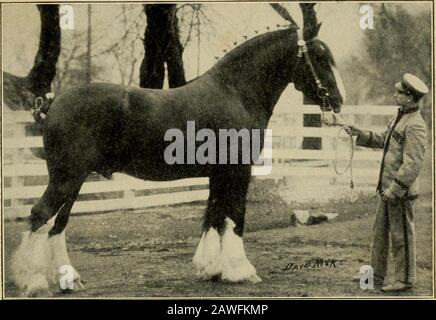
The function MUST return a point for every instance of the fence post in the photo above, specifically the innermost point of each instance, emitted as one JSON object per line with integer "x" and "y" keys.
{"x": 128, "y": 191}
{"x": 313, "y": 143}
{"x": 15, "y": 183}
{"x": 18, "y": 131}
{"x": 311, "y": 120}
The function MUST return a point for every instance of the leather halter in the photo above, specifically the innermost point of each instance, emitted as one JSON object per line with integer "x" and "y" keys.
{"x": 303, "y": 51}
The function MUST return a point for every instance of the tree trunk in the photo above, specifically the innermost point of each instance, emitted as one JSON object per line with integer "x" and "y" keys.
{"x": 161, "y": 45}
{"x": 44, "y": 67}
{"x": 20, "y": 92}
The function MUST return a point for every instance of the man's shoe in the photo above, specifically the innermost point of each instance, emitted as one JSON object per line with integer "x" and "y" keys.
{"x": 378, "y": 281}
{"x": 397, "y": 286}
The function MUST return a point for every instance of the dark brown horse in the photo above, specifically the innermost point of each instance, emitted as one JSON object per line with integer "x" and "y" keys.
{"x": 109, "y": 128}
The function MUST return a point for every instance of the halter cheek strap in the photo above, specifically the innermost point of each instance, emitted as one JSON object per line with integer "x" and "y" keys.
{"x": 303, "y": 51}
{"x": 324, "y": 95}
{"x": 301, "y": 44}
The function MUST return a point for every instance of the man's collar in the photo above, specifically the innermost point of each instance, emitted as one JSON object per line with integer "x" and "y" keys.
{"x": 411, "y": 110}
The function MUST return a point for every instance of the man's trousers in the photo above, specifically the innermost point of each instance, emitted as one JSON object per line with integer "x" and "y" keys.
{"x": 394, "y": 219}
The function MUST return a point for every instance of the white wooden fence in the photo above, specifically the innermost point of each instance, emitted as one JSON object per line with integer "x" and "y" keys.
{"x": 19, "y": 167}
{"x": 320, "y": 162}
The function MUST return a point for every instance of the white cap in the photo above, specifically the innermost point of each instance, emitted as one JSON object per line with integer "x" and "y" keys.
{"x": 411, "y": 84}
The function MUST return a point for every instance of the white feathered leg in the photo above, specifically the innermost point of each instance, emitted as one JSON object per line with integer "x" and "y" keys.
{"x": 235, "y": 265}
{"x": 31, "y": 263}
{"x": 61, "y": 264}
{"x": 207, "y": 255}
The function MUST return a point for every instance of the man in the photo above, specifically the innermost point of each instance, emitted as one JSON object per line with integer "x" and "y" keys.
{"x": 403, "y": 142}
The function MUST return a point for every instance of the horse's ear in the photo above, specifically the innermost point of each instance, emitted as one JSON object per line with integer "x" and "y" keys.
{"x": 310, "y": 22}
{"x": 312, "y": 32}
{"x": 317, "y": 28}
{"x": 284, "y": 13}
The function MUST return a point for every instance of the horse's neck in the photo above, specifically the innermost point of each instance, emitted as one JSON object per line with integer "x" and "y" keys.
{"x": 259, "y": 70}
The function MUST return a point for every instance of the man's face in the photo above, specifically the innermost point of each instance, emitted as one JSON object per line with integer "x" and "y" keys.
{"x": 401, "y": 98}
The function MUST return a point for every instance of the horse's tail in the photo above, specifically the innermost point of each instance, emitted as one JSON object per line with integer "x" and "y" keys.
{"x": 39, "y": 113}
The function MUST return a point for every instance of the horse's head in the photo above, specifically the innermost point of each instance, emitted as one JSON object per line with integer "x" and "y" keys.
{"x": 315, "y": 73}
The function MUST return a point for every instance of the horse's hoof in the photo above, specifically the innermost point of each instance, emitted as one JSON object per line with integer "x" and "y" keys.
{"x": 78, "y": 285}
{"x": 239, "y": 271}
{"x": 215, "y": 278}
{"x": 254, "y": 279}
{"x": 37, "y": 286}
{"x": 38, "y": 293}
{"x": 208, "y": 275}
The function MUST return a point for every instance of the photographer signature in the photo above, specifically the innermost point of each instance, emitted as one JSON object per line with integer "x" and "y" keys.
{"x": 315, "y": 263}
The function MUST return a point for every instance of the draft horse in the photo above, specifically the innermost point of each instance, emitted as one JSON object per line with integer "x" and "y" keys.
{"x": 109, "y": 128}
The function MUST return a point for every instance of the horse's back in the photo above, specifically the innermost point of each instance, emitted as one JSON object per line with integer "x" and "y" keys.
{"x": 108, "y": 127}
{"x": 82, "y": 123}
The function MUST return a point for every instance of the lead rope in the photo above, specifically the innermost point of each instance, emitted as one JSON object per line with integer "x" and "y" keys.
{"x": 324, "y": 95}
{"x": 349, "y": 166}
{"x": 350, "y": 162}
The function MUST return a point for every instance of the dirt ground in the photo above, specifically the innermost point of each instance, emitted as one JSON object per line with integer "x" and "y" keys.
{"x": 148, "y": 253}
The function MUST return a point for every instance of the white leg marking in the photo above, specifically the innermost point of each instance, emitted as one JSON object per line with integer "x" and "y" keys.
{"x": 31, "y": 262}
{"x": 37, "y": 261}
{"x": 61, "y": 258}
{"x": 236, "y": 267}
{"x": 207, "y": 255}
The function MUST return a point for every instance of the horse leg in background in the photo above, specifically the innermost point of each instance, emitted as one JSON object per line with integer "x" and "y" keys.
{"x": 207, "y": 255}
{"x": 235, "y": 265}
{"x": 32, "y": 262}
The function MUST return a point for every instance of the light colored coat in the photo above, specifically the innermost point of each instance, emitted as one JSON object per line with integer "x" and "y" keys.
{"x": 404, "y": 142}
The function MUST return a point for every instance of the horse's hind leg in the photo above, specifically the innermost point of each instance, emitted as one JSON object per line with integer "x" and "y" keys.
{"x": 33, "y": 265}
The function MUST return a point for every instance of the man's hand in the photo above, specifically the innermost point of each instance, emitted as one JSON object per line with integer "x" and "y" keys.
{"x": 387, "y": 195}
{"x": 353, "y": 130}
{"x": 333, "y": 119}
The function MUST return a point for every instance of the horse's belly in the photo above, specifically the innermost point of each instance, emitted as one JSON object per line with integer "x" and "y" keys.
{"x": 165, "y": 172}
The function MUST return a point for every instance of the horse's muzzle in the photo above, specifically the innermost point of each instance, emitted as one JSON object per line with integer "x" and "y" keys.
{"x": 335, "y": 105}
{"x": 337, "y": 109}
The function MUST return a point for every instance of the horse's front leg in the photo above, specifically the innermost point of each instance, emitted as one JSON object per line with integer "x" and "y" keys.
{"x": 207, "y": 258}
{"x": 235, "y": 265}
{"x": 225, "y": 216}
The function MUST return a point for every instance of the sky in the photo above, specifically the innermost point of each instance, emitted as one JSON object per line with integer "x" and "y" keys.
{"x": 340, "y": 30}
{"x": 230, "y": 21}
